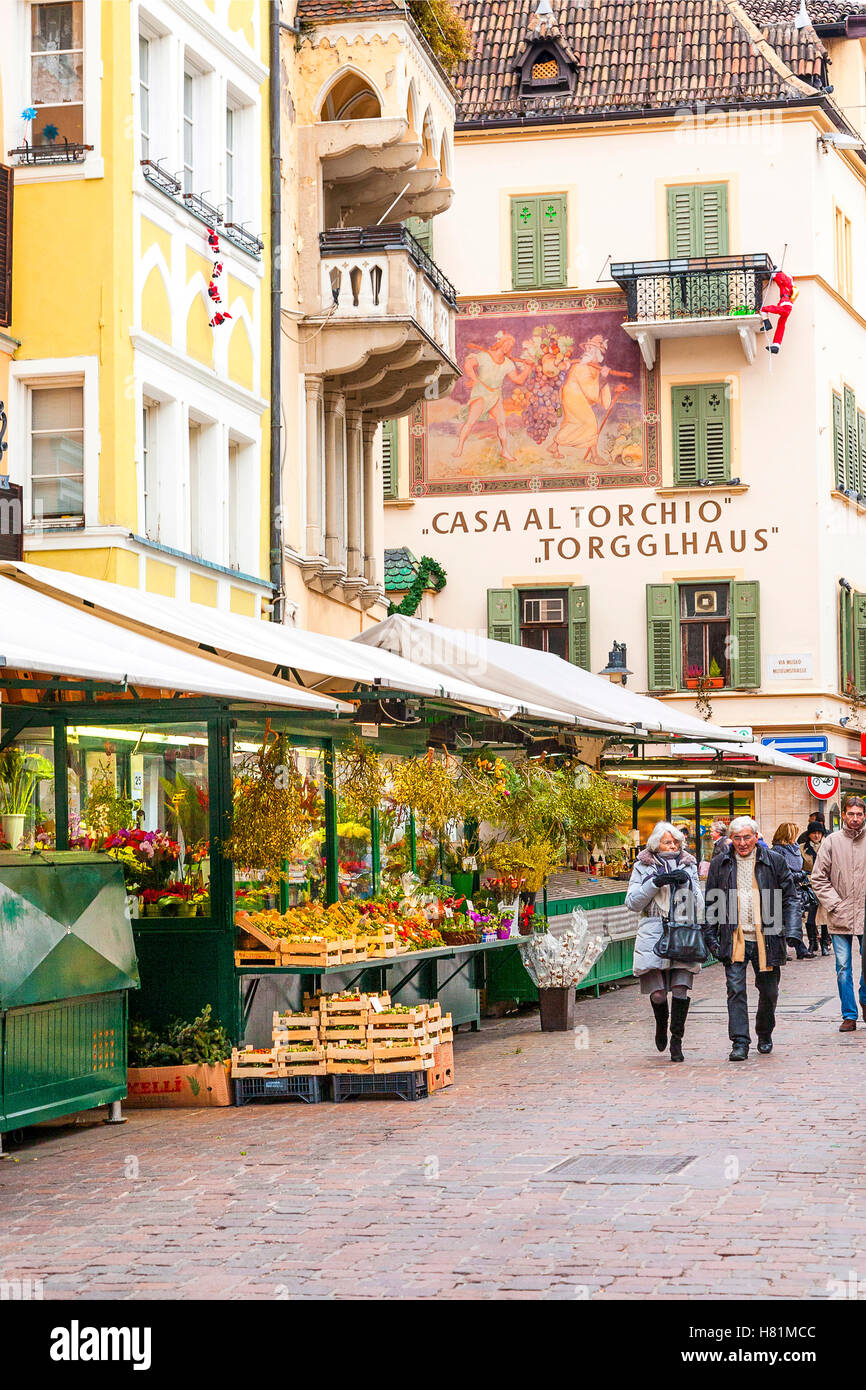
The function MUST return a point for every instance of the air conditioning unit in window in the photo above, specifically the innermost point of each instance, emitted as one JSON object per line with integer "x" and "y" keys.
{"x": 706, "y": 601}
{"x": 544, "y": 610}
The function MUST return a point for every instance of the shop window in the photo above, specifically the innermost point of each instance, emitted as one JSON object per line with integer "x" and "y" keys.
{"x": 539, "y": 245}
{"x": 305, "y": 874}
{"x": 549, "y": 620}
{"x": 701, "y": 434}
{"x": 57, "y": 453}
{"x": 57, "y": 72}
{"x": 142, "y": 795}
{"x": 703, "y": 634}
{"x": 698, "y": 220}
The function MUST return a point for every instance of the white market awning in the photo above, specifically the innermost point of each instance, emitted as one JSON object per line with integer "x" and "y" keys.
{"x": 525, "y": 673}
{"x": 332, "y": 665}
{"x": 40, "y": 634}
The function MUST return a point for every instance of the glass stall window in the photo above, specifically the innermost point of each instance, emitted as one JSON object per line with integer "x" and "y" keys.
{"x": 142, "y": 795}
{"x": 27, "y": 814}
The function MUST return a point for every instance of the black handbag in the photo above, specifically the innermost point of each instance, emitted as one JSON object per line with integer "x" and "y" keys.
{"x": 682, "y": 943}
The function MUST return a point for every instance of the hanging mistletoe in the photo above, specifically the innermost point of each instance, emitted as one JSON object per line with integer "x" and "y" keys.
{"x": 428, "y": 787}
{"x": 271, "y": 813}
{"x": 219, "y": 317}
{"x": 361, "y": 779}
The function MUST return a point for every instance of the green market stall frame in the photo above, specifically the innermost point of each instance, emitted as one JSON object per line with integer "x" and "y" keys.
{"x": 67, "y": 960}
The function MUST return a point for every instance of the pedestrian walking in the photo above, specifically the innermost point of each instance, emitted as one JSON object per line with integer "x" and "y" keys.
{"x": 664, "y": 885}
{"x": 816, "y": 916}
{"x": 785, "y": 843}
{"x": 752, "y": 907}
{"x": 839, "y": 884}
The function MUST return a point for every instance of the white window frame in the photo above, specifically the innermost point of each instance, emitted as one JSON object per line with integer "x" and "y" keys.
{"x": 15, "y": 38}
{"x": 145, "y": 89}
{"x": 26, "y": 376}
{"x": 150, "y": 456}
{"x": 188, "y": 124}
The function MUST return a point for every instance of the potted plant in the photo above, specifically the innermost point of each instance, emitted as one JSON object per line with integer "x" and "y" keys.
{"x": 693, "y": 677}
{"x": 20, "y": 773}
{"x": 715, "y": 679}
{"x": 556, "y": 966}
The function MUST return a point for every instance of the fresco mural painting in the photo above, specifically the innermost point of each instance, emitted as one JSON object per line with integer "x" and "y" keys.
{"x": 553, "y": 395}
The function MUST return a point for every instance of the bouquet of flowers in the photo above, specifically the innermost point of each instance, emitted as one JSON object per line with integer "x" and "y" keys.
{"x": 556, "y": 962}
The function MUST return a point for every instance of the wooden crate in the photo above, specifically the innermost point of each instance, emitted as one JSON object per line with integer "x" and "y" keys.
{"x": 348, "y": 1059}
{"x": 300, "y": 1022}
{"x": 282, "y": 1036}
{"x": 330, "y": 1005}
{"x": 402, "y": 1056}
{"x": 266, "y": 959}
{"x": 441, "y": 1073}
{"x": 249, "y": 928}
{"x": 312, "y": 1063}
{"x": 383, "y": 1026}
{"x": 312, "y": 954}
{"x": 434, "y": 1011}
{"x": 255, "y": 1062}
{"x": 381, "y": 1068}
{"x": 344, "y": 1031}
{"x": 382, "y": 944}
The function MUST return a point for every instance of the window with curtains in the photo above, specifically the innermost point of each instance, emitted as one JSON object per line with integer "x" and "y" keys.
{"x": 57, "y": 453}
{"x": 550, "y": 620}
{"x": 539, "y": 244}
{"x": 707, "y": 631}
{"x": 57, "y": 71}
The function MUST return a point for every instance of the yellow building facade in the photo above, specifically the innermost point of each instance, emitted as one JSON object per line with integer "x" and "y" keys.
{"x": 138, "y": 426}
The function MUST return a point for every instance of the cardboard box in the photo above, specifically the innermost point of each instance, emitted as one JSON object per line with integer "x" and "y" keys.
{"x": 153, "y": 1088}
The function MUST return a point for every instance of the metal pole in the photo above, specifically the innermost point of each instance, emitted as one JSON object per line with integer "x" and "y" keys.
{"x": 276, "y": 481}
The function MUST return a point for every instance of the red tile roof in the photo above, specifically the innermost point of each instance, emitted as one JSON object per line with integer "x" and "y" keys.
{"x": 320, "y": 11}
{"x": 651, "y": 55}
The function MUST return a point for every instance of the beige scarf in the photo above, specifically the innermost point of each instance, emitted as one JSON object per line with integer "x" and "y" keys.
{"x": 739, "y": 951}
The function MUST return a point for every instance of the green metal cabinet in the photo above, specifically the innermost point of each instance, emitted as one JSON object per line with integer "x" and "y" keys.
{"x": 67, "y": 959}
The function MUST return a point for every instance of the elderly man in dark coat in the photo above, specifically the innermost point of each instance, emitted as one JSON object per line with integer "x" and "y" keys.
{"x": 752, "y": 907}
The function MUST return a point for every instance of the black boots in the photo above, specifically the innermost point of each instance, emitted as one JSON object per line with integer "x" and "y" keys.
{"x": 661, "y": 1013}
{"x": 679, "y": 1013}
{"x": 739, "y": 1052}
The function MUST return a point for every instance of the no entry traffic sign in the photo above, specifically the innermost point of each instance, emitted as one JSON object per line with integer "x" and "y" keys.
{"x": 824, "y": 781}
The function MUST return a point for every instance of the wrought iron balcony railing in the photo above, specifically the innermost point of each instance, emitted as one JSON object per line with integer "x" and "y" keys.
{"x": 390, "y": 236}
{"x": 160, "y": 178}
{"x": 60, "y": 152}
{"x": 697, "y": 287}
{"x": 239, "y": 236}
{"x": 199, "y": 208}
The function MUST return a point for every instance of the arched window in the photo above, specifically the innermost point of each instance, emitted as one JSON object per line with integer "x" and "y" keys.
{"x": 350, "y": 99}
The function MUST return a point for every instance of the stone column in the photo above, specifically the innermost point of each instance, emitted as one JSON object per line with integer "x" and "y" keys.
{"x": 354, "y": 496}
{"x": 335, "y": 406}
{"x": 314, "y": 388}
{"x": 371, "y": 483}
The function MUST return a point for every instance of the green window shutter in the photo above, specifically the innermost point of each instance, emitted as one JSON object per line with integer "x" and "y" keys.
{"x": 554, "y": 242}
{"x": 852, "y": 448}
{"x": 846, "y": 641}
{"x": 716, "y": 433}
{"x": 746, "y": 634}
{"x": 682, "y": 221}
{"x": 861, "y": 445}
{"x": 712, "y": 203}
{"x": 662, "y": 625}
{"x": 686, "y": 423}
{"x": 503, "y": 617}
{"x": 698, "y": 220}
{"x": 578, "y": 626}
{"x": 422, "y": 230}
{"x": 838, "y": 444}
{"x": 701, "y": 434}
{"x": 859, "y": 606}
{"x": 525, "y": 245}
{"x": 390, "y": 475}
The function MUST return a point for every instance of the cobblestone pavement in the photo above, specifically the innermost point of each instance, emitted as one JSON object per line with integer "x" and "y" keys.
{"x": 453, "y": 1196}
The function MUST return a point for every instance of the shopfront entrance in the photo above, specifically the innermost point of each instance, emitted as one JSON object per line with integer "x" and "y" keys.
{"x": 691, "y": 807}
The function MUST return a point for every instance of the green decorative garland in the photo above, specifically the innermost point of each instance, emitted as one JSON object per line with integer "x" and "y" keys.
{"x": 427, "y": 569}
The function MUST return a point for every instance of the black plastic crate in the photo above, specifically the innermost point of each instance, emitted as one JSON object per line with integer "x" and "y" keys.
{"x": 405, "y": 1085}
{"x": 306, "y": 1088}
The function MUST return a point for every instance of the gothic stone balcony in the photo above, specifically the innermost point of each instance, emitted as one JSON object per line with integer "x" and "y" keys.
{"x": 693, "y": 297}
{"x": 383, "y": 332}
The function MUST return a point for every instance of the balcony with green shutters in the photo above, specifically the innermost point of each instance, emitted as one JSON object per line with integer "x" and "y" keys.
{"x": 693, "y": 296}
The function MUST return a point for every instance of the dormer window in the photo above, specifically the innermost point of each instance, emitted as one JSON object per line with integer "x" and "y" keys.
{"x": 545, "y": 68}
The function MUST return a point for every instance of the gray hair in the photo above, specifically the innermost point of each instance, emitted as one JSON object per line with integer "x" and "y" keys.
{"x": 744, "y": 823}
{"x": 658, "y": 830}
{"x": 721, "y": 826}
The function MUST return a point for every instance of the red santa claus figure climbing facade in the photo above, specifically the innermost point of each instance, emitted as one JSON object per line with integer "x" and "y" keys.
{"x": 782, "y": 309}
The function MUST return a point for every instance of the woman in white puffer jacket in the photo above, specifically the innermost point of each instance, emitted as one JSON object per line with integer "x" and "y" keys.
{"x": 663, "y": 872}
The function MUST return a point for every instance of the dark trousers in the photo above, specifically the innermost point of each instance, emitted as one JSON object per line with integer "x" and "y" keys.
{"x": 738, "y": 1004}
{"x": 812, "y": 930}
